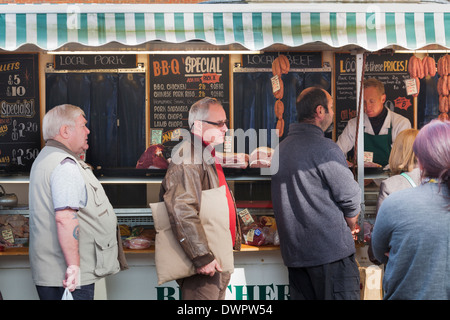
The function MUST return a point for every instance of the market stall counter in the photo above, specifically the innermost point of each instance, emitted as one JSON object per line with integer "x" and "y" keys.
{"x": 259, "y": 275}
{"x": 259, "y": 270}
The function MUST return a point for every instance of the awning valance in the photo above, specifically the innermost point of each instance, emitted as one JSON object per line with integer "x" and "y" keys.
{"x": 254, "y": 26}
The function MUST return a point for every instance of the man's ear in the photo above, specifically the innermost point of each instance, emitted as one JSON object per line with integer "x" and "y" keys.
{"x": 64, "y": 131}
{"x": 197, "y": 126}
{"x": 320, "y": 111}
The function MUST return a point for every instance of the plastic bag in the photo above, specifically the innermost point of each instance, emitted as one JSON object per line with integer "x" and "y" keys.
{"x": 67, "y": 295}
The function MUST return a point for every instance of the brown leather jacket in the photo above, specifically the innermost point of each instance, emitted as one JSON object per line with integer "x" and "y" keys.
{"x": 181, "y": 191}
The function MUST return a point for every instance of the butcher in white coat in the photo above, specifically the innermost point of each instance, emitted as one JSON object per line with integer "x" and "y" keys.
{"x": 381, "y": 125}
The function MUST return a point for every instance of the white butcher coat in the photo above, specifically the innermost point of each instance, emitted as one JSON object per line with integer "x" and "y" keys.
{"x": 346, "y": 140}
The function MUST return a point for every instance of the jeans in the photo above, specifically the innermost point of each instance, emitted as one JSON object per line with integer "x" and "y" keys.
{"x": 55, "y": 293}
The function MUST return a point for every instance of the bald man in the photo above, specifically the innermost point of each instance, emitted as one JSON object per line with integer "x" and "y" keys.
{"x": 316, "y": 204}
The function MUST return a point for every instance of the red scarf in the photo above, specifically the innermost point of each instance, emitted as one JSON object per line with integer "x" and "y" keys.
{"x": 223, "y": 182}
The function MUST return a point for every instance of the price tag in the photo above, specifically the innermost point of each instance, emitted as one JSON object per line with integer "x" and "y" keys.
{"x": 246, "y": 217}
{"x": 7, "y": 235}
{"x": 250, "y": 235}
{"x": 411, "y": 86}
{"x": 227, "y": 145}
{"x": 275, "y": 83}
{"x": 368, "y": 156}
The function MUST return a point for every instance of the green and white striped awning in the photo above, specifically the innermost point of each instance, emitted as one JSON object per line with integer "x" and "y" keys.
{"x": 254, "y": 26}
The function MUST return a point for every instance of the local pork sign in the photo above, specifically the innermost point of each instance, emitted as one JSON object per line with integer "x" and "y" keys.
{"x": 20, "y": 140}
{"x": 94, "y": 61}
{"x": 178, "y": 81}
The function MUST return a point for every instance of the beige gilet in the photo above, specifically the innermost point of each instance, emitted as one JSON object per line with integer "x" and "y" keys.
{"x": 98, "y": 244}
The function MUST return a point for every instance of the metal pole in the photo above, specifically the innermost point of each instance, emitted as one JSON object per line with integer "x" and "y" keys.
{"x": 360, "y": 134}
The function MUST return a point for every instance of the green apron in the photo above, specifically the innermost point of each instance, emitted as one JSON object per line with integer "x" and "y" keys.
{"x": 380, "y": 145}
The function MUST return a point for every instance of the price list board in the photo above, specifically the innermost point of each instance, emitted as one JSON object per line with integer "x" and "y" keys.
{"x": 177, "y": 82}
{"x": 20, "y": 139}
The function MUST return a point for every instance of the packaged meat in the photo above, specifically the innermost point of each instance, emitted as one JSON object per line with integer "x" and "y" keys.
{"x": 246, "y": 218}
{"x": 368, "y": 227}
{"x": 153, "y": 158}
{"x": 276, "y": 238}
{"x": 267, "y": 221}
{"x": 137, "y": 243}
{"x": 6, "y": 236}
{"x": 261, "y": 157}
{"x": 17, "y": 222}
{"x": 258, "y": 231}
{"x": 233, "y": 160}
{"x": 370, "y": 164}
{"x": 255, "y": 237}
{"x": 148, "y": 233}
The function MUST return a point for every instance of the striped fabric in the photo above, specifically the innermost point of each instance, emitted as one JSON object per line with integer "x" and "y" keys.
{"x": 254, "y": 29}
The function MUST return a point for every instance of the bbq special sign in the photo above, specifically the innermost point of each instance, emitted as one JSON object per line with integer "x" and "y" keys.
{"x": 177, "y": 82}
{"x": 20, "y": 140}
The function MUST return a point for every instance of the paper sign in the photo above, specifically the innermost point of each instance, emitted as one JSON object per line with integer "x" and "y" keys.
{"x": 411, "y": 86}
{"x": 227, "y": 145}
{"x": 368, "y": 156}
{"x": 246, "y": 217}
{"x": 275, "y": 83}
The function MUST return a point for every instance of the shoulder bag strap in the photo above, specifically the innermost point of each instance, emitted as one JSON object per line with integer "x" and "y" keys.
{"x": 410, "y": 180}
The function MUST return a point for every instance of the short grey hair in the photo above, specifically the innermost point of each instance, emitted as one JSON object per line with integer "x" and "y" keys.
{"x": 54, "y": 119}
{"x": 200, "y": 110}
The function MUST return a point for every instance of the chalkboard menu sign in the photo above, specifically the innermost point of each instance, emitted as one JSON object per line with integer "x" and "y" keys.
{"x": 20, "y": 139}
{"x": 392, "y": 70}
{"x": 297, "y": 60}
{"x": 177, "y": 82}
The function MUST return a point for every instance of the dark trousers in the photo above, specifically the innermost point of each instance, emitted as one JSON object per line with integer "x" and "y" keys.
{"x": 338, "y": 280}
{"x": 202, "y": 287}
{"x": 55, "y": 293}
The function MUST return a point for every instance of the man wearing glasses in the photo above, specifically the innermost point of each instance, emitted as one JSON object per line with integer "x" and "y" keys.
{"x": 181, "y": 191}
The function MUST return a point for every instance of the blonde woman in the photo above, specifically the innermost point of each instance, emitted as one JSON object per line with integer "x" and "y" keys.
{"x": 403, "y": 165}
{"x": 404, "y": 169}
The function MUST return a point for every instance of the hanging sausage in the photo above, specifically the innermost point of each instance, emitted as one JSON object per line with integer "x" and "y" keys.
{"x": 280, "y": 66}
{"x": 443, "y": 86}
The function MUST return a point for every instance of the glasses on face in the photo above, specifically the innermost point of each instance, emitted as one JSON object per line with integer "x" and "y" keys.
{"x": 219, "y": 124}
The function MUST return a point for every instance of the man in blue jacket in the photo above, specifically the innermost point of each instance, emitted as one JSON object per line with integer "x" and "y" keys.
{"x": 316, "y": 203}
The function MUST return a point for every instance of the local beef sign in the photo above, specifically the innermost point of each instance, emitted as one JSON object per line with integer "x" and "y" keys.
{"x": 176, "y": 82}
{"x": 20, "y": 140}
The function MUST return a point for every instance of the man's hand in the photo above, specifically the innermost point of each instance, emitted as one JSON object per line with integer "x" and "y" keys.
{"x": 72, "y": 277}
{"x": 354, "y": 227}
{"x": 210, "y": 268}
{"x": 355, "y": 231}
